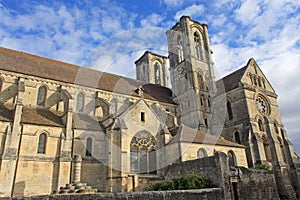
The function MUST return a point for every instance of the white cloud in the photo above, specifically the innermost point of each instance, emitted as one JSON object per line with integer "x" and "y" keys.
{"x": 248, "y": 11}
{"x": 173, "y": 3}
{"x": 115, "y": 57}
{"x": 193, "y": 11}
{"x": 152, "y": 20}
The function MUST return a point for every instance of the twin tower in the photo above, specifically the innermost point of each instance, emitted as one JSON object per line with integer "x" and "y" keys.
{"x": 191, "y": 71}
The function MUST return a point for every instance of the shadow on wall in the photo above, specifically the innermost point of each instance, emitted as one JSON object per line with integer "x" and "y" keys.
{"x": 19, "y": 188}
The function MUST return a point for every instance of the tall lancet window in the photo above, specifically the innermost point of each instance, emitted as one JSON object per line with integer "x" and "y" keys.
{"x": 157, "y": 73}
{"x": 197, "y": 42}
{"x": 42, "y": 144}
{"x": 41, "y": 98}
{"x": 80, "y": 102}
{"x": 180, "y": 50}
{"x": 89, "y": 147}
{"x": 229, "y": 111}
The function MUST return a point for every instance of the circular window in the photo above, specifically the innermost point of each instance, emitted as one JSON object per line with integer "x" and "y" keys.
{"x": 262, "y": 105}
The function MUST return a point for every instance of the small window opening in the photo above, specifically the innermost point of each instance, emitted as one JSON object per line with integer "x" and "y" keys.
{"x": 143, "y": 116}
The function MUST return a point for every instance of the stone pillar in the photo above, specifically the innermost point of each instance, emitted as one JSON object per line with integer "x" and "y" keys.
{"x": 77, "y": 168}
{"x": 66, "y": 145}
{"x": 11, "y": 148}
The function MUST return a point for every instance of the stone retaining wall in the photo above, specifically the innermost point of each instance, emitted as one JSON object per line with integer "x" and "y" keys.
{"x": 205, "y": 194}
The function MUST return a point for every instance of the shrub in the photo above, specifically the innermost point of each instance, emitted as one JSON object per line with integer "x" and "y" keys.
{"x": 262, "y": 166}
{"x": 191, "y": 181}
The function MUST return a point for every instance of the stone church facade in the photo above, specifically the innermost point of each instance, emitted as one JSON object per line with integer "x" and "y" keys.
{"x": 61, "y": 123}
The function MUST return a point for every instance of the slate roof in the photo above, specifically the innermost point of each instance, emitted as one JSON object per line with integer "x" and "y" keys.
{"x": 189, "y": 135}
{"x": 6, "y": 112}
{"x": 86, "y": 122}
{"x": 24, "y": 63}
{"x": 41, "y": 116}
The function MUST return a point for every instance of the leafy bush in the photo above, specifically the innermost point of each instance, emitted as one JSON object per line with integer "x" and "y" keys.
{"x": 191, "y": 181}
{"x": 262, "y": 166}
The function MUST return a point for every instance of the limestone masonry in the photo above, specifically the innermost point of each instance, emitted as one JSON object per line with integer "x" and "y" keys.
{"x": 66, "y": 129}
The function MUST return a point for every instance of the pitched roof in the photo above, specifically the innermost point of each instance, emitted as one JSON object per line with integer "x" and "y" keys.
{"x": 6, "y": 112}
{"x": 230, "y": 81}
{"x": 86, "y": 122}
{"x": 41, "y": 116}
{"x": 189, "y": 135}
{"x": 24, "y": 63}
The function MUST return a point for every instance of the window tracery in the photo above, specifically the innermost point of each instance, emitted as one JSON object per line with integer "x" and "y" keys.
{"x": 143, "y": 153}
{"x": 262, "y": 105}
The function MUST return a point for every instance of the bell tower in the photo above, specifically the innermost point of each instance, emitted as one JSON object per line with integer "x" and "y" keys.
{"x": 192, "y": 71}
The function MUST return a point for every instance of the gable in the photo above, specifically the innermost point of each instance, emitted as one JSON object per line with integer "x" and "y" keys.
{"x": 140, "y": 116}
{"x": 254, "y": 77}
{"x": 250, "y": 75}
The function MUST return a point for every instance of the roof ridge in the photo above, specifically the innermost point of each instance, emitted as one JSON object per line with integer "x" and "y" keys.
{"x": 64, "y": 63}
{"x": 40, "y": 57}
{"x": 232, "y": 73}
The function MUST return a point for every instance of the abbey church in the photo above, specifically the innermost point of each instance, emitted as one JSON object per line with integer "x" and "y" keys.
{"x": 62, "y": 124}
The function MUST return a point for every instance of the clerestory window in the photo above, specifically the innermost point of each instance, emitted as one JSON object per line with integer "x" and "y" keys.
{"x": 41, "y": 97}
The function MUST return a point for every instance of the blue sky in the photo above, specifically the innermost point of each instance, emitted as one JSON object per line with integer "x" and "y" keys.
{"x": 110, "y": 35}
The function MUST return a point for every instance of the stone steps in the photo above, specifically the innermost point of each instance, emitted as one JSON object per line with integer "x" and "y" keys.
{"x": 73, "y": 188}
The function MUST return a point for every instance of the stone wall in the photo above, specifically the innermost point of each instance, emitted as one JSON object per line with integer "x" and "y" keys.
{"x": 252, "y": 184}
{"x": 209, "y": 167}
{"x": 258, "y": 184}
{"x": 213, "y": 193}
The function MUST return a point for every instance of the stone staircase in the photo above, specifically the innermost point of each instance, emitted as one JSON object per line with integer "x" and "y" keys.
{"x": 77, "y": 188}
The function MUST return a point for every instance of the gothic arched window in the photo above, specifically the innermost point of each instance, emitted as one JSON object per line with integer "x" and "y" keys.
{"x": 41, "y": 97}
{"x": 201, "y": 153}
{"x": 267, "y": 149}
{"x": 237, "y": 137}
{"x": 180, "y": 50}
{"x": 89, "y": 147}
{"x": 200, "y": 81}
{"x": 157, "y": 73}
{"x": 281, "y": 149}
{"x": 260, "y": 125}
{"x": 229, "y": 110}
{"x": 197, "y": 42}
{"x": 80, "y": 102}
{"x": 231, "y": 159}
{"x": 143, "y": 153}
{"x": 42, "y": 144}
